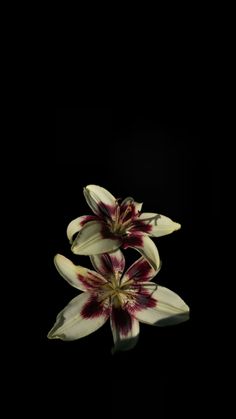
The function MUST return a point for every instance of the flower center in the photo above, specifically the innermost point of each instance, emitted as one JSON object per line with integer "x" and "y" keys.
{"x": 118, "y": 293}
{"x": 119, "y": 225}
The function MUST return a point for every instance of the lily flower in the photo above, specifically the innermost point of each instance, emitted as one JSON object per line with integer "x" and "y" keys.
{"x": 126, "y": 299}
{"x": 117, "y": 225}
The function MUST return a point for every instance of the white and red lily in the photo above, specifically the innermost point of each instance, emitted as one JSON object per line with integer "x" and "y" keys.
{"x": 117, "y": 225}
{"x": 127, "y": 299}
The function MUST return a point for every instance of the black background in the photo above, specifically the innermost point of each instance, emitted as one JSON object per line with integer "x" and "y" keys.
{"x": 168, "y": 161}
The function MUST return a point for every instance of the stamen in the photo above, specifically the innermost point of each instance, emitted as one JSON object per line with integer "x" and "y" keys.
{"x": 117, "y": 216}
{"x": 117, "y": 213}
{"x": 117, "y": 278}
{"x": 126, "y": 223}
{"x": 128, "y": 209}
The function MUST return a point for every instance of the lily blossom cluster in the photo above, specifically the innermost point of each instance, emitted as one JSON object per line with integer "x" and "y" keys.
{"x": 126, "y": 297}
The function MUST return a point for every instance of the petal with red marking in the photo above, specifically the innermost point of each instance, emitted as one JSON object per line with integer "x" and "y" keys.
{"x": 94, "y": 238}
{"x": 169, "y": 309}
{"x": 82, "y": 316}
{"x": 139, "y": 271}
{"x": 81, "y": 278}
{"x": 108, "y": 264}
{"x": 76, "y": 225}
{"x": 145, "y": 246}
{"x": 125, "y": 329}
{"x": 101, "y": 201}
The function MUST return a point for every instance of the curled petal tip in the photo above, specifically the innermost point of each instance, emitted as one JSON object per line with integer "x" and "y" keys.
{"x": 57, "y": 257}
{"x": 177, "y": 226}
{"x": 186, "y": 308}
{"x": 74, "y": 248}
{"x": 51, "y": 335}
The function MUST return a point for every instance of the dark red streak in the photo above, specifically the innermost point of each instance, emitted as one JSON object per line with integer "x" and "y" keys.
{"x": 122, "y": 320}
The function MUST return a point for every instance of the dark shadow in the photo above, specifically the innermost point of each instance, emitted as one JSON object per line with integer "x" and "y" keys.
{"x": 125, "y": 344}
{"x": 171, "y": 321}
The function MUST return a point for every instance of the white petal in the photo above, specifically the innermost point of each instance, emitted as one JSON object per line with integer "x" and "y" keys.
{"x": 101, "y": 201}
{"x": 125, "y": 329}
{"x": 76, "y": 225}
{"x": 170, "y": 309}
{"x": 108, "y": 264}
{"x": 81, "y": 278}
{"x": 72, "y": 323}
{"x": 159, "y": 224}
{"x": 147, "y": 249}
{"x": 92, "y": 240}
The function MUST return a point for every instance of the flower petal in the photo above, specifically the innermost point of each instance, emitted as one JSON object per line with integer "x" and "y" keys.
{"x": 82, "y": 316}
{"x": 81, "y": 278}
{"x": 76, "y": 225}
{"x": 93, "y": 239}
{"x": 101, "y": 202}
{"x": 169, "y": 309}
{"x": 108, "y": 264}
{"x": 139, "y": 271}
{"x": 145, "y": 246}
{"x": 156, "y": 225}
{"x": 125, "y": 329}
